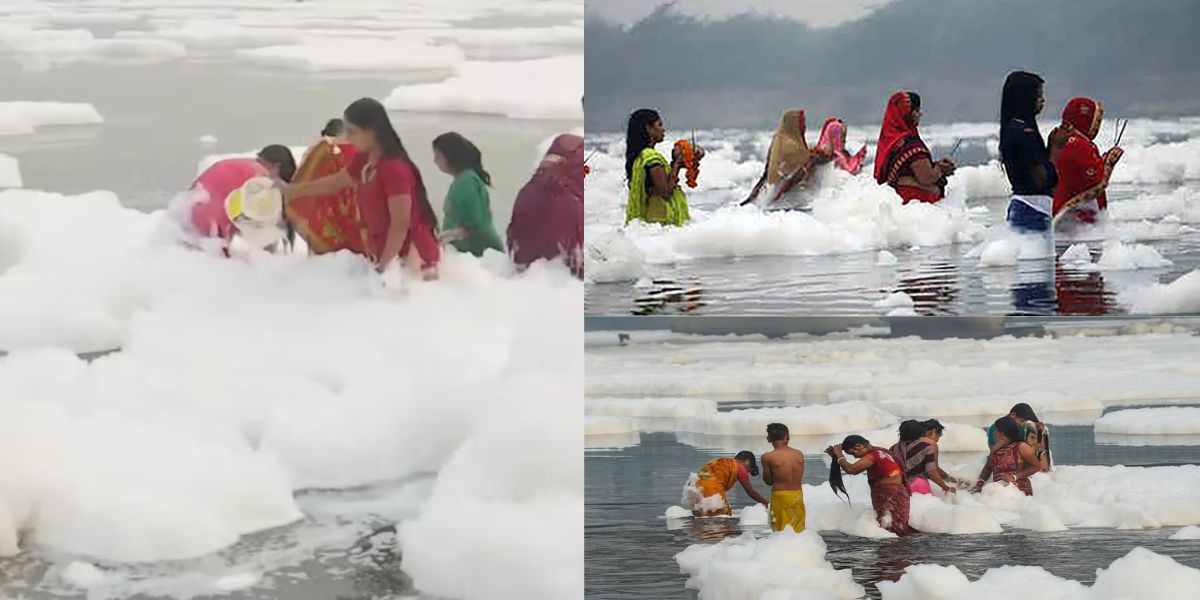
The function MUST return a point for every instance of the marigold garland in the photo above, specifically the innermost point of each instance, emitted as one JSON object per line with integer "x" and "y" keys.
{"x": 688, "y": 152}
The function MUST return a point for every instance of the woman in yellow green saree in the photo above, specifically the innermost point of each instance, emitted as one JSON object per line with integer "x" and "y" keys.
{"x": 655, "y": 195}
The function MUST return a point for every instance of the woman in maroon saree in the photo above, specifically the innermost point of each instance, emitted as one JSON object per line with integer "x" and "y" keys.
{"x": 547, "y": 218}
{"x": 902, "y": 160}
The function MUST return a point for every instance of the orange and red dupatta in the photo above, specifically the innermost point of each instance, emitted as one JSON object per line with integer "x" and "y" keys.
{"x": 331, "y": 222}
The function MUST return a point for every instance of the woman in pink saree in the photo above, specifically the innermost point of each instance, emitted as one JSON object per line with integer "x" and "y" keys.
{"x": 547, "y": 218}
{"x": 833, "y": 143}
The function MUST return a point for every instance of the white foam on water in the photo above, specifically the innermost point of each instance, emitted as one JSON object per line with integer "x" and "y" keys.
{"x": 677, "y": 512}
{"x": 220, "y": 406}
{"x": 1139, "y": 574}
{"x": 1181, "y": 296}
{"x": 10, "y": 172}
{"x": 909, "y": 377}
{"x": 41, "y": 49}
{"x": 801, "y": 420}
{"x": 746, "y": 568}
{"x": 608, "y": 425}
{"x": 354, "y": 54}
{"x": 1118, "y": 256}
{"x": 1170, "y": 420}
{"x": 18, "y": 118}
{"x": 548, "y": 88}
{"x": 1191, "y": 532}
{"x": 654, "y": 408}
{"x": 886, "y": 259}
{"x": 755, "y": 515}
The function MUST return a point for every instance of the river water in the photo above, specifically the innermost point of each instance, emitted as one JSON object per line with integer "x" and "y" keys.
{"x": 740, "y": 262}
{"x": 630, "y": 547}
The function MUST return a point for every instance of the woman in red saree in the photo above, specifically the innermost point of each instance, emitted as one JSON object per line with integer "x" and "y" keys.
{"x": 547, "y": 217}
{"x": 902, "y": 160}
{"x": 1083, "y": 172}
{"x": 889, "y": 488}
{"x": 1012, "y": 460}
{"x": 833, "y": 143}
{"x": 328, "y": 222}
{"x": 391, "y": 195}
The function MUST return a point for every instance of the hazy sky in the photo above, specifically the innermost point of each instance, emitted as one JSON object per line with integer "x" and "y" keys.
{"x": 818, "y": 13}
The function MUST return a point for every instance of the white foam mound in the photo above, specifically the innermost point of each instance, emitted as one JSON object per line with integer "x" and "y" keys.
{"x": 1139, "y": 574}
{"x": 220, "y": 405}
{"x": 655, "y": 408}
{"x": 1191, "y": 532}
{"x": 677, "y": 512}
{"x": 608, "y": 425}
{"x": 782, "y": 565}
{"x": 121, "y": 484}
{"x": 352, "y": 54}
{"x": 549, "y": 88}
{"x": 755, "y": 515}
{"x": 801, "y": 420}
{"x": 10, "y": 172}
{"x": 1181, "y": 296}
{"x": 18, "y": 118}
{"x": 1118, "y": 256}
{"x": 510, "y": 509}
{"x": 1173, "y": 420}
{"x": 40, "y": 48}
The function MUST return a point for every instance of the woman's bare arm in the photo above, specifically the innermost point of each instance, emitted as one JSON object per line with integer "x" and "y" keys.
{"x": 753, "y": 494}
{"x": 927, "y": 173}
{"x": 400, "y": 207}
{"x": 662, "y": 183}
{"x": 858, "y": 466}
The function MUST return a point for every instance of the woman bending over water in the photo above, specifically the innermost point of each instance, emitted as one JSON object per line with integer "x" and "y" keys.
{"x": 708, "y": 497}
{"x": 1012, "y": 460}
{"x": 889, "y": 493}
{"x": 917, "y": 452}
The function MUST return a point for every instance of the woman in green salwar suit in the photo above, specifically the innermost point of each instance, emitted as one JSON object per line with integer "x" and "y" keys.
{"x": 654, "y": 192}
{"x": 468, "y": 222}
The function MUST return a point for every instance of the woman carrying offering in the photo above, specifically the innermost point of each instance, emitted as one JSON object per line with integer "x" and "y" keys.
{"x": 902, "y": 160}
{"x": 399, "y": 220}
{"x": 654, "y": 192}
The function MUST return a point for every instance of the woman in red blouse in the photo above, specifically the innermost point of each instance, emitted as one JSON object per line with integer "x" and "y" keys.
{"x": 399, "y": 220}
{"x": 889, "y": 490}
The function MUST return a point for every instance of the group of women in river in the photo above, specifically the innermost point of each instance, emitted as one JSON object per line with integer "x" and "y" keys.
{"x": 1018, "y": 447}
{"x": 358, "y": 189}
{"x": 1063, "y": 178}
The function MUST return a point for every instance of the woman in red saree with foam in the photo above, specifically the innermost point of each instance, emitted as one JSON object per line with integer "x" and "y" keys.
{"x": 1083, "y": 172}
{"x": 547, "y": 217}
{"x": 902, "y": 160}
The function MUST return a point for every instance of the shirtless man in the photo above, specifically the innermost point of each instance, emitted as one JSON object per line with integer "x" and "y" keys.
{"x": 783, "y": 470}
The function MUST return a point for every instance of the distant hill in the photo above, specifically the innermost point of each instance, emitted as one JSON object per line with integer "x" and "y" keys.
{"x": 1139, "y": 58}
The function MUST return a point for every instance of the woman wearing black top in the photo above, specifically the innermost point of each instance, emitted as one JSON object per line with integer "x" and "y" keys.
{"x": 1027, "y": 162}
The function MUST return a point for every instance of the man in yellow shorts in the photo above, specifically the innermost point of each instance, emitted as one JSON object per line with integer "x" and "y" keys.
{"x": 783, "y": 470}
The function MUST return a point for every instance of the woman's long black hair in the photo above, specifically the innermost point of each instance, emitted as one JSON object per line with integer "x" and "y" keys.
{"x": 368, "y": 113}
{"x": 461, "y": 154}
{"x": 636, "y": 136}
{"x": 281, "y": 155}
{"x": 1025, "y": 411}
{"x": 1008, "y": 426}
{"x": 1018, "y": 100}
{"x": 835, "y": 470}
{"x": 748, "y": 455}
{"x": 911, "y": 430}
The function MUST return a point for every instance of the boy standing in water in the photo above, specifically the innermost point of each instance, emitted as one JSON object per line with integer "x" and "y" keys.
{"x": 783, "y": 470}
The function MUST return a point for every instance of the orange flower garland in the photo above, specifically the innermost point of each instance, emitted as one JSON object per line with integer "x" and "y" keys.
{"x": 688, "y": 152}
